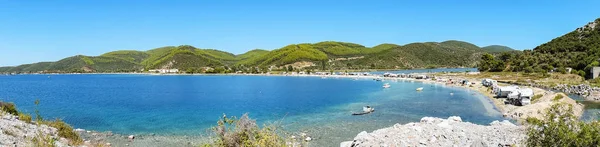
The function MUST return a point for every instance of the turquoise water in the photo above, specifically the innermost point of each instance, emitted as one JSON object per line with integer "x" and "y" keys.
{"x": 189, "y": 105}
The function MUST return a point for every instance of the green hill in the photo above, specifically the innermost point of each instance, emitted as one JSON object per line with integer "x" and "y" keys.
{"x": 579, "y": 49}
{"x": 422, "y": 55}
{"x": 183, "y": 57}
{"x": 251, "y": 53}
{"x": 327, "y": 54}
{"x": 497, "y": 48}
{"x": 286, "y": 55}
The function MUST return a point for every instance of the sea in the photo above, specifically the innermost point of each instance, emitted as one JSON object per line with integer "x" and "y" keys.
{"x": 190, "y": 105}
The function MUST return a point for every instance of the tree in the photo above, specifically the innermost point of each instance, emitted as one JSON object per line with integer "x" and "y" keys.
{"x": 290, "y": 68}
{"x": 561, "y": 128}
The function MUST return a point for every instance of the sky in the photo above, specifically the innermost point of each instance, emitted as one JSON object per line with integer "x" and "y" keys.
{"x": 37, "y": 30}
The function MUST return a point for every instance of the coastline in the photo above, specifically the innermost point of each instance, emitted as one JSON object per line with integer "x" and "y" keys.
{"x": 149, "y": 139}
{"x": 498, "y": 104}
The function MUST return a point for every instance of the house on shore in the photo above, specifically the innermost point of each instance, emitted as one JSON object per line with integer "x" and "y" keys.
{"x": 164, "y": 70}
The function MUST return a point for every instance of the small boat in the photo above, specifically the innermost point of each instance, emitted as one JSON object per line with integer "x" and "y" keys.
{"x": 420, "y": 89}
{"x": 366, "y": 110}
{"x": 386, "y": 85}
{"x": 378, "y": 79}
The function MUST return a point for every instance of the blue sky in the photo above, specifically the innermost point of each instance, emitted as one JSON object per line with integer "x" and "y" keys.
{"x": 36, "y": 30}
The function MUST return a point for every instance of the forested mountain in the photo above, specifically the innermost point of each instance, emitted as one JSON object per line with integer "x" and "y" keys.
{"x": 497, "y": 49}
{"x": 321, "y": 55}
{"x": 579, "y": 49}
{"x": 420, "y": 55}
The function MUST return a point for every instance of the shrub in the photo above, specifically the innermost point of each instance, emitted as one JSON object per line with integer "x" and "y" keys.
{"x": 25, "y": 117}
{"x": 9, "y": 108}
{"x": 536, "y": 98}
{"x": 65, "y": 131}
{"x": 561, "y": 128}
{"x": 244, "y": 132}
{"x": 558, "y": 97}
{"x": 41, "y": 140}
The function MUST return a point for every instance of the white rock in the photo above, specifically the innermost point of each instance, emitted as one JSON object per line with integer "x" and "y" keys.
{"x": 445, "y": 125}
{"x": 442, "y": 132}
{"x": 346, "y": 144}
{"x": 428, "y": 120}
{"x": 455, "y": 118}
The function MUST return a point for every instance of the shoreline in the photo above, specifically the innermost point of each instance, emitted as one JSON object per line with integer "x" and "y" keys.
{"x": 497, "y": 105}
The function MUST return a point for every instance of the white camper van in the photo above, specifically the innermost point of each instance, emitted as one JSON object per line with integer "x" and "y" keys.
{"x": 503, "y": 92}
{"x": 526, "y": 95}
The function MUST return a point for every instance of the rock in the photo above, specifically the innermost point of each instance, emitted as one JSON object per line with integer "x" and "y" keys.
{"x": 428, "y": 120}
{"x": 455, "y": 118}
{"x": 346, "y": 144}
{"x": 432, "y": 139}
{"x": 108, "y": 144}
{"x": 15, "y": 132}
{"x": 445, "y": 125}
{"x": 442, "y": 132}
{"x": 308, "y": 139}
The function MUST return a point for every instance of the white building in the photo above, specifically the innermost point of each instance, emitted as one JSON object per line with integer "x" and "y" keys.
{"x": 164, "y": 70}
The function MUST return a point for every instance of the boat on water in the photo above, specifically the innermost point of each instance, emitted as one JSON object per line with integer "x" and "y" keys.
{"x": 420, "y": 89}
{"x": 366, "y": 110}
{"x": 378, "y": 79}
{"x": 386, "y": 85}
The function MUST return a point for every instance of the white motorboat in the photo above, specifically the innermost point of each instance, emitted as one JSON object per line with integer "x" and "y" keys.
{"x": 420, "y": 89}
{"x": 386, "y": 85}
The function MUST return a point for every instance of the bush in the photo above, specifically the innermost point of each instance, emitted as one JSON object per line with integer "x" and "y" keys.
{"x": 244, "y": 132}
{"x": 9, "y": 108}
{"x": 536, "y": 98}
{"x": 561, "y": 128}
{"x": 65, "y": 131}
{"x": 25, "y": 117}
{"x": 558, "y": 97}
{"x": 41, "y": 140}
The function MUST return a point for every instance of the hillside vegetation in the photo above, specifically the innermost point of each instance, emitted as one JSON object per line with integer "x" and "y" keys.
{"x": 321, "y": 55}
{"x": 424, "y": 55}
{"x": 579, "y": 50}
{"x": 497, "y": 48}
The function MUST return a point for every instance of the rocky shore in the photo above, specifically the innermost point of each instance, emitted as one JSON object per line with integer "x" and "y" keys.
{"x": 17, "y": 133}
{"x": 588, "y": 92}
{"x": 442, "y": 132}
